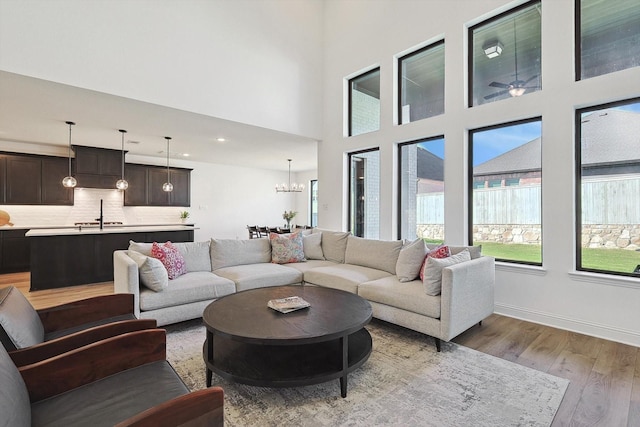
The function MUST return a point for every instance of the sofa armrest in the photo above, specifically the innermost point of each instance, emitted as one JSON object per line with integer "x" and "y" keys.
{"x": 95, "y": 361}
{"x": 467, "y": 295}
{"x": 203, "y": 407}
{"x": 87, "y": 310}
{"x": 48, "y": 349}
{"x": 126, "y": 278}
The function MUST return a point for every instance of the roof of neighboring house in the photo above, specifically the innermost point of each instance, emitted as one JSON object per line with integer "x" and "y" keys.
{"x": 429, "y": 165}
{"x": 598, "y": 128}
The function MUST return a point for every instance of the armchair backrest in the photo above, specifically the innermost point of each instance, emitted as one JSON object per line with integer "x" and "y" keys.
{"x": 15, "y": 407}
{"x": 20, "y": 325}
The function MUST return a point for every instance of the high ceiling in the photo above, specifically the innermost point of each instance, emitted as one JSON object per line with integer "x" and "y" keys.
{"x": 35, "y": 111}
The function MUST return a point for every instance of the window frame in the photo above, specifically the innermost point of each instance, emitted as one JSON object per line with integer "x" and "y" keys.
{"x": 399, "y": 82}
{"x": 399, "y": 176}
{"x": 578, "y": 186}
{"x": 350, "y": 99}
{"x": 470, "y": 187}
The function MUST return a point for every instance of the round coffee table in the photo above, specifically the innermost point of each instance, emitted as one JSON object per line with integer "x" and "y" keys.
{"x": 250, "y": 343}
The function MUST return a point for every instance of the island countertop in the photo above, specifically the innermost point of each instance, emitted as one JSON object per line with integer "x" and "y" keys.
{"x": 108, "y": 229}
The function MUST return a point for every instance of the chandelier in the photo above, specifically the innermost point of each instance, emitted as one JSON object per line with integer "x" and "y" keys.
{"x": 291, "y": 187}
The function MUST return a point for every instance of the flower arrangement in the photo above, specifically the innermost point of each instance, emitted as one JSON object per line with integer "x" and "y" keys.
{"x": 288, "y": 216}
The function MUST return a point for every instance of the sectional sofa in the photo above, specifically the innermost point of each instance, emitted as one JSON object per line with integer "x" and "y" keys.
{"x": 456, "y": 293}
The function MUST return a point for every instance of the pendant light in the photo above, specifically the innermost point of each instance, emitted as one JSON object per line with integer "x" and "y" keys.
{"x": 69, "y": 181}
{"x": 122, "y": 183}
{"x": 168, "y": 186}
{"x": 291, "y": 187}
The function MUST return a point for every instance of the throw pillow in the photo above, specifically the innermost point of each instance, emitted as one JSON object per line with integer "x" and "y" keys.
{"x": 474, "y": 251}
{"x": 410, "y": 260}
{"x": 153, "y": 274}
{"x": 312, "y": 245}
{"x": 170, "y": 258}
{"x": 286, "y": 248}
{"x": 143, "y": 248}
{"x": 433, "y": 271}
{"x": 438, "y": 252}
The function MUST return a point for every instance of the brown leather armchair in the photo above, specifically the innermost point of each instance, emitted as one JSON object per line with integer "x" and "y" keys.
{"x": 123, "y": 380}
{"x": 31, "y": 335}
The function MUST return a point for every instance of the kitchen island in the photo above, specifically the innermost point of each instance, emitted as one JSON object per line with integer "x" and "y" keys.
{"x": 82, "y": 255}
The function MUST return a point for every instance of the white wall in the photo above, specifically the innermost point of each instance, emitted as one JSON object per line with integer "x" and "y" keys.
{"x": 224, "y": 199}
{"x": 360, "y": 34}
{"x": 255, "y": 62}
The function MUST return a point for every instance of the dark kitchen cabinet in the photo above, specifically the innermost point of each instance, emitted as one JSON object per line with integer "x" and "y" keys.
{"x": 33, "y": 180}
{"x": 54, "y": 169}
{"x": 97, "y": 167}
{"x": 151, "y": 179}
{"x": 23, "y": 180}
{"x": 14, "y": 251}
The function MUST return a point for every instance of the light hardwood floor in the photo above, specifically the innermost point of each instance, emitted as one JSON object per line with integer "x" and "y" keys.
{"x": 605, "y": 375}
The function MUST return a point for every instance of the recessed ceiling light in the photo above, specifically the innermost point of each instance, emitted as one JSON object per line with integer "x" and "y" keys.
{"x": 185, "y": 154}
{"x": 221, "y": 140}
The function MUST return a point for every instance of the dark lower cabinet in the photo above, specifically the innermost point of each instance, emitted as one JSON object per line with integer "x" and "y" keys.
{"x": 14, "y": 251}
{"x": 80, "y": 259}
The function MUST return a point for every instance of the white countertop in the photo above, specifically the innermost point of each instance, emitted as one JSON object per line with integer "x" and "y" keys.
{"x": 110, "y": 229}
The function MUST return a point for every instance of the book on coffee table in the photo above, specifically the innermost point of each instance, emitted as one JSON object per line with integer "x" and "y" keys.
{"x": 287, "y": 305}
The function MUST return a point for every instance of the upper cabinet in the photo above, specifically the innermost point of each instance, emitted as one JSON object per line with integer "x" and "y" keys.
{"x": 97, "y": 167}
{"x": 33, "y": 180}
{"x": 145, "y": 186}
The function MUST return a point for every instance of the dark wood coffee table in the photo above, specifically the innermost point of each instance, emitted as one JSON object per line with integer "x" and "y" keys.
{"x": 250, "y": 343}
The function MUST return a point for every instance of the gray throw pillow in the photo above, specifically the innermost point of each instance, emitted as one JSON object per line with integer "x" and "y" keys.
{"x": 334, "y": 244}
{"x": 143, "y": 248}
{"x": 153, "y": 273}
{"x": 433, "y": 271}
{"x": 312, "y": 245}
{"x": 410, "y": 260}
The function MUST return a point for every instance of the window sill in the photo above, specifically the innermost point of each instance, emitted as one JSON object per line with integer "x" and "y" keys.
{"x": 605, "y": 279}
{"x": 520, "y": 268}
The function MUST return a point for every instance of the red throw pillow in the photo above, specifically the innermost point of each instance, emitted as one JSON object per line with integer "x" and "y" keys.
{"x": 170, "y": 257}
{"x": 439, "y": 252}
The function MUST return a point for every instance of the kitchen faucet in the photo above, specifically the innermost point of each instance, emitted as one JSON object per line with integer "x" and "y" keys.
{"x": 101, "y": 219}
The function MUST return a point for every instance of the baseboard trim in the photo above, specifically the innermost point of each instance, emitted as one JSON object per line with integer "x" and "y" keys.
{"x": 597, "y": 330}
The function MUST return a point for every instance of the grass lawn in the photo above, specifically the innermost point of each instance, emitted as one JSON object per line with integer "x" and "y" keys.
{"x": 615, "y": 260}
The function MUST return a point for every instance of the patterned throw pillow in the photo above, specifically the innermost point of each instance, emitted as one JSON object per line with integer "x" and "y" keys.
{"x": 286, "y": 248}
{"x": 441, "y": 251}
{"x": 171, "y": 259}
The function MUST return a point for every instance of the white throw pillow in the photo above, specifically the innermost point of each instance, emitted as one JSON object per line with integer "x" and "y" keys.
{"x": 143, "y": 248}
{"x": 410, "y": 260}
{"x": 312, "y": 245}
{"x": 433, "y": 271}
{"x": 153, "y": 274}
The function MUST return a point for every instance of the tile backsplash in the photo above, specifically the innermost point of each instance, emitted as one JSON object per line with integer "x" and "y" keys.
{"x": 87, "y": 208}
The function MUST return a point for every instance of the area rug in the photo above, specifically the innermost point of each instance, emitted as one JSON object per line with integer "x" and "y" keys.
{"x": 405, "y": 382}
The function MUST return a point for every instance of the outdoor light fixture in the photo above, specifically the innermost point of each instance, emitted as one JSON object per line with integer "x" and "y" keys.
{"x": 290, "y": 187}
{"x": 168, "y": 186}
{"x": 122, "y": 184}
{"x": 69, "y": 181}
{"x": 492, "y": 49}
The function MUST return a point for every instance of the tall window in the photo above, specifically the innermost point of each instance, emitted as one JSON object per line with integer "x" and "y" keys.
{"x": 364, "y": 103}
{"x": 422, "y": 190}
{"x": 608, "y": 193}
{"x": 364, "y": 193}
{"x": 313, "y": 203}
{"x": 421, "y": 83}
{"x": 608, "y": 36}
{"x": 505, "y": 183}
{"x": 505, "y": 55}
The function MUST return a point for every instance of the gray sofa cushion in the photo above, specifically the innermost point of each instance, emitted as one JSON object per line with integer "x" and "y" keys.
{"x": 312, "y": 245}
{"x": 190, "y": 287}
{"x": 379, "y": 254}
{"x": 408, "y": 296}
{"x": 334, "y": 244}
{"x": 346, "y": 277}
{"x": 311, "y": 263}
{"x": 15, "y": 407}
{"x": 410, "y": 260}
{"x": 253, "y": 276}
{"x": 112, "y": 399}
{"x": 196, "y": 255}
{"x": 230, "y": 252}
{"x": 19, "y": 319}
